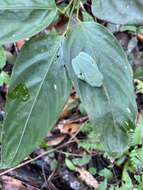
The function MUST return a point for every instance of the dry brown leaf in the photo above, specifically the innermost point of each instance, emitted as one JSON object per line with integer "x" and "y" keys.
{"x": 20, "y": 44}
{"x": 66, "y": 111}
{"x": 55, "y": 141}
{"x": 140, "y": 37}
{"x": 9, "y": 183}
{"x": 70, "y": 128}
{"x": 87, "y": 178}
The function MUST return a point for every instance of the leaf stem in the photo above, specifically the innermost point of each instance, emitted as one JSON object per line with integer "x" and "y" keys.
{"x": 68, "y": 6}
{"x": 77, "y": 12}
{"x": 71, "y": 13}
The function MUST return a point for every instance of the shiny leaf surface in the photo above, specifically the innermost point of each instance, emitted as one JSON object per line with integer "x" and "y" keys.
{"x": 111, "y": 107}
{"x": 38, "y": 91}
{"x": 119, "y": 11}
{"x": 21, "y": 19}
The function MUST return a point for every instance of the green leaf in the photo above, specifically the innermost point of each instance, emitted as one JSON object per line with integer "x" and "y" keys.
{"x": 106, "y": 173}
{"x": 87, "y": 70}
{"x": 38, "y": 91}
{"x": 138, "y": 134}
{"x": 103, "y": 185}
{"x": 136, "y": 159}
{"x": 82, "y": 161}
{"x": 111, "y": 107}
{"x": 22, "y": 19}
{"x": 127, "y": 182}
{"x": 129, "y": 28}
{"x": 93, "y": 141}
{"x": 87, "y": 17}
{"x": 138, "y": 71}
{"x": 92, "y": 170}
{"x": 2, "y": 57}
{"x": 119, "y": 11}
{"x": 139, "y": 86}
{"x": 70, "y": 165}
{"x": 4, "y": 78}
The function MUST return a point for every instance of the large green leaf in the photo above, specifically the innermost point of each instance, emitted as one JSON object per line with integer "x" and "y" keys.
{"x": 38, "y": 90}
{"x": 112, "y": 106}
{"x": 21, "y": 19}
{"x": 119, "y": 11}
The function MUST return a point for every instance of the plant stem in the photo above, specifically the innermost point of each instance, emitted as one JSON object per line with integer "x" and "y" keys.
{"x": 68, "y": 6}
{"x": 71, "y": 13}
{"x": 77, "y": 12}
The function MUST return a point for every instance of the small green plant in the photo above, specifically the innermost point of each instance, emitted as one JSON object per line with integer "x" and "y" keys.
{"x": 139, "y": 86}
{"x": 85, "y": 54}
{"x": 4, "y": 77}
{"x": 92, "y": 142}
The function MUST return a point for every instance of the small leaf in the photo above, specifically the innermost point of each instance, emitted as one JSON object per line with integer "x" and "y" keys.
{"x": 87, "y": 16}
{"x": 4, "y": 78}
{"x": 82, "y": 161}
{"x": 2, "y": 57}
{"x": 86, "y": 69}
{"x": 70, "y": 165}
{"x": 139, "y": 86}
{"x": 103, "y": 185}
{"x": 129, "y": 28}
{"x": 92, "y": 170}
{"x": 106, "y": 173}
{"x": 138, "y": 134}
{"x": 127, "y": 182}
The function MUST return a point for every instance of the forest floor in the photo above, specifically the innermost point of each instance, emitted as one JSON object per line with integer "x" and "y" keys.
{"x": 73, "y": 158}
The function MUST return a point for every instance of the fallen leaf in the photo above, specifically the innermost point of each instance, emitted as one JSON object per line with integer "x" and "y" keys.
{"x": 9, "y": 183}
{"x": 70, "y": 105}
{"x": 70, "y": 128}
{"x": 55, "y": 140}
{"x": 140, "y": 37}
{"x": 87, "y": 178}
{"x": 20, "y": 44}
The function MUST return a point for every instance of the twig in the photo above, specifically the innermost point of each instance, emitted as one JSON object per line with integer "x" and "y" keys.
{"x": 50, "y": 176}
{"x": 68, "y": 6}
{"x": 71, "y": 154}
{"x": 36, "y": 158}
{"x": 44, "y": 175}
{"x": 46, "y": 152}
{"x": 27, "y": 162}
{"x": 78, "y": 120}
{"x": 70, "y": 16}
